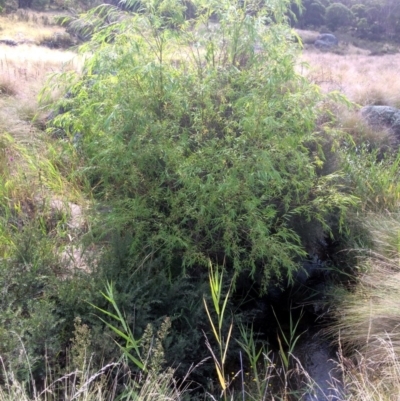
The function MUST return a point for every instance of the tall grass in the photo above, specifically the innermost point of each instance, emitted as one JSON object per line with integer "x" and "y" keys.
{"x": 368, "y": 316}
{"x": 32, "y": 161}
{"x": 365, "y": 381}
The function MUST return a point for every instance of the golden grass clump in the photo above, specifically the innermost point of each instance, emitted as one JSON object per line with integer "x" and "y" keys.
{"x": 368, "y": 316}
{"x": 363, "y": 79}
{"x": 370, "y": 312}
{"x": 353, "y": 123}
{"x": 363, "y": 383}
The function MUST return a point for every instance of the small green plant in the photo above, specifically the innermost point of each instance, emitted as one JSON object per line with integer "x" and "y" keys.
{"x": 219, "y": 304}
{"x": 131, "y": 348}
{"x": 80, "y": 344}
{"x": 248, "y": 345}
{"x": 289, "y": 339}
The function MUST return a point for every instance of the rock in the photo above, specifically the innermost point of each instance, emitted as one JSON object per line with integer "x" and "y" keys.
{"x": 8, "y": 42}
{"x": 383, "y": 117}
{"x": 326, "y": 41}
{"x": 75, "y": 220}
{"x": 318, "y": 358}
{"x": 78, "y": 257}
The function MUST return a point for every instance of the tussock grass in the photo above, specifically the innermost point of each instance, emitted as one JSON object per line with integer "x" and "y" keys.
{"x": 7, "y": 86}
{"x": 370, "y": 312}
{"x": 364, "y": 79}
{"x": 365, "y": 381}
{"x": 368, "y": 316}
{"x": 352, "y": 122}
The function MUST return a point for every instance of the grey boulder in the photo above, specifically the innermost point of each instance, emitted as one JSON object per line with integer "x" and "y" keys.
{"x": 383, "y": 117}
{"x": 8, "y": 42}
{"x": 326, "y": 41}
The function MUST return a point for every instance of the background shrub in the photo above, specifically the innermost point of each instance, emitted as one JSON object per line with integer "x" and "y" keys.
{"x": 338, "y": 15}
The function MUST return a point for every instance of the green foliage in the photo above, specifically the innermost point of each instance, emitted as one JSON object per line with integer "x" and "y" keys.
{"x": 338, "y": 15}
{"x": 374, "y": 182}
{"x": 147, "y": 295}
{"x": 80, "y": 344}
{"x": 289, "y": 340}
{"x": 197, "y": 136}
{"x": 370, "y": 19}
{"x": 27, "y": 312}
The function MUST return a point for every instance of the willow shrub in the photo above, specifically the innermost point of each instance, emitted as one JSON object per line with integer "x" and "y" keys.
{"x": 198, "y": 135}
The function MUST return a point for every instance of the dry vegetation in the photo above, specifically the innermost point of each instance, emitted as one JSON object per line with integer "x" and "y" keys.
{"x": 28, "y": 159}
{"x": 368, "y": 318}
{"x": 28, "y": 27}
{"x": 367, "y": 312}
{"x": 25, "y": 68}
{"x": 363, "y": 78}
{"x": 23, "y": 71}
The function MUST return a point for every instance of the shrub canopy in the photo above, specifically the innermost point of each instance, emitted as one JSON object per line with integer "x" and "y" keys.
{"x": 199, "y": 134}
{"x": 338, "y": 15}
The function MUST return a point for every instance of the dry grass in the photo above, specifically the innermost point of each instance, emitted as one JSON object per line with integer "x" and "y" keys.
{"x": 28, "y": 27}
{"x": 370, "y": 311}
{"x": 29, "y": 65}
{"x": 364, "y": 79}
{"x": 85, "y": 385}
{"x": 363, "y": 383}
{"x": 23, "y": 72}
{"x": 30, "y": 161}
{"x": 368, "y": 317}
